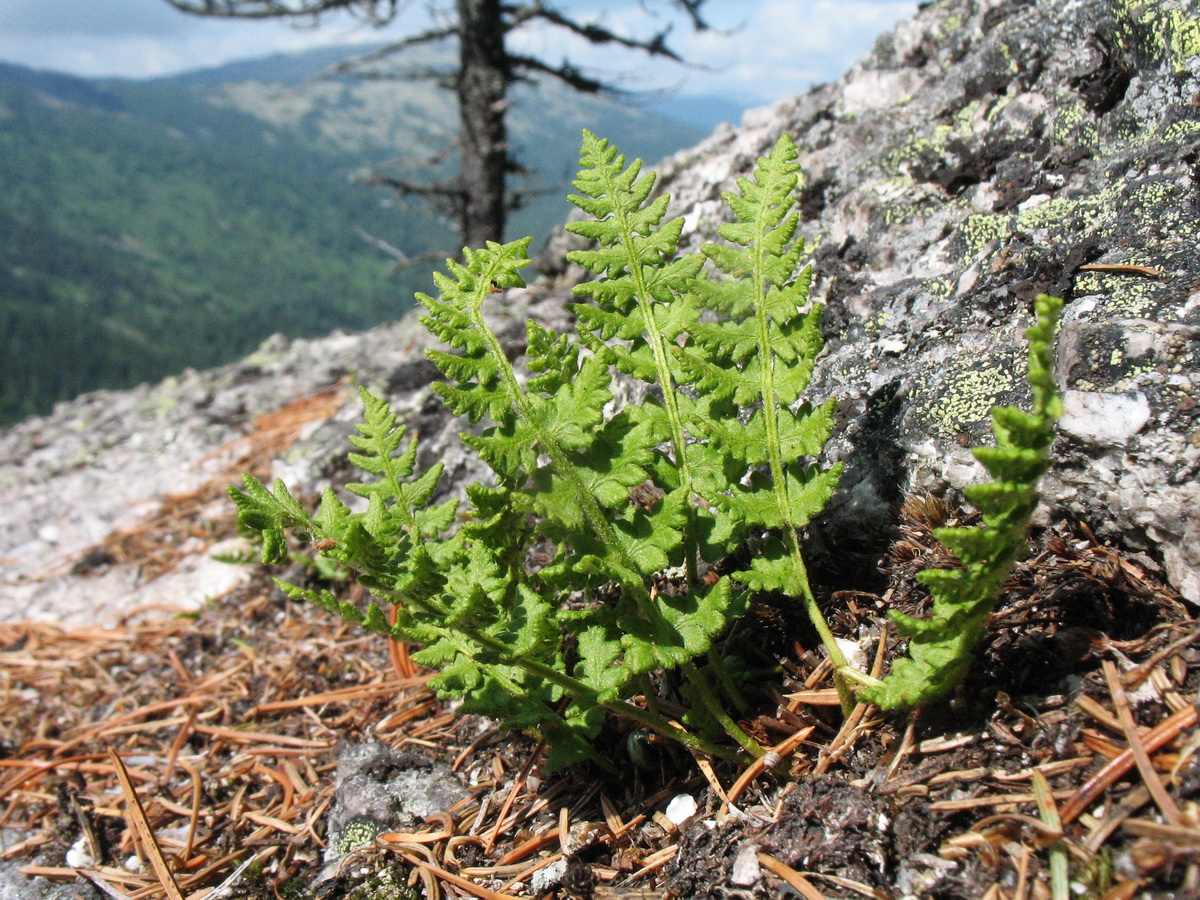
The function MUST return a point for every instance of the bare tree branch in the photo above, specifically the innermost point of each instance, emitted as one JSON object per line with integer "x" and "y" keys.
{"x": 564, "y": 72}
{"x": 597, "y": 34}
{"x": 479, "y": 198}
{"x": 431, "y": 36}
{"x": 402, "y": 259}
{"x": 377, "y": 12}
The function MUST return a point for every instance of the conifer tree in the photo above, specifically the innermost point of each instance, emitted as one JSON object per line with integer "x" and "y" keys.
{"x": 478, "y": 199}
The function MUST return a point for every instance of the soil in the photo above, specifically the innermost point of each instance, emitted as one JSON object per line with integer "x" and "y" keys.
{"x": 1065, "y": 766}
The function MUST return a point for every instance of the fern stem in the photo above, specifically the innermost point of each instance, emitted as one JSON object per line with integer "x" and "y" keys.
{"x": 813, "y": 609}
{"x": 770, "y": 408}
{"x": 700, "y": 684}
{"x": 659, "y": 725}
{"x": 717, "y": 664}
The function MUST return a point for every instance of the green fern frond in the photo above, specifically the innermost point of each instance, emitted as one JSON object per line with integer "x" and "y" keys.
{"x": 568, "y": 470}
{"x": 940, "y": 648}
{"x": 760, "y": 352}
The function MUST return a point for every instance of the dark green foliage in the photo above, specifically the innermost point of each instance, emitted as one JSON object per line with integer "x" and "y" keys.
{"x": 940, "y": 647}
{"x": 151, "y": 226}
{"x": 146, "y": 230}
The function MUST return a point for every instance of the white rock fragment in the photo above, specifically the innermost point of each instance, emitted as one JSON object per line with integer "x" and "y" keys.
{"x": 856, "y": 657}
{"x": 79, "y": 856}
{"x": 548, "y": 878}
{"x": 746, "y": 870}
{"x": 1107, "y": 419}
{"x": 681, "y": 808}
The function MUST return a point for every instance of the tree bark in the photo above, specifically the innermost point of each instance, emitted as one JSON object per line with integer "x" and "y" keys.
{"x": 483, "y": 78}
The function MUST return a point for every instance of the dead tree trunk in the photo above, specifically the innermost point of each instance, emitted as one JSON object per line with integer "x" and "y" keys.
{"x": 482, "y": 86}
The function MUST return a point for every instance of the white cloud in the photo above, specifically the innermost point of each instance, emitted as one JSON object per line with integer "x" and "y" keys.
{"x": 758, "y": 51}
{"x": 787, "y": 45}
{"x": 144, "y": 38}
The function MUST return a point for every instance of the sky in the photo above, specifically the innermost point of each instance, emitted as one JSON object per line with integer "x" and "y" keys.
{"x": 760, "y": 50}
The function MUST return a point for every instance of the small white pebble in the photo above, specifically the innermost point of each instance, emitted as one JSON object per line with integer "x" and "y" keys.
{"x": 746, "y": 870}
{"x": 548, "y": 878}
{"x": 856, "y": 657}
{"x": 681, "y": 808}
{"x": 79, "y": 857}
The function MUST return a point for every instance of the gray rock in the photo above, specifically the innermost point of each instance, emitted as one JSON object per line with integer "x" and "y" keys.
{"x": 985, "y": 151}
{"x": 377, "y": 790}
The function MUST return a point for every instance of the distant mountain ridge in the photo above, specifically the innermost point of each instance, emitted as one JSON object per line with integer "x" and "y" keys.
{"x": 154, "y": 225}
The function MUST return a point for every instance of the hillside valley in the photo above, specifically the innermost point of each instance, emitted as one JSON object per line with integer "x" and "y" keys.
{"x": 155, "y": 225}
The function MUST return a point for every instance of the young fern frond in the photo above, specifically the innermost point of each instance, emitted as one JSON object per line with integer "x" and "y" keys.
{"x": 940, "y": 647}
{"x": 559, "y": 460}
{"x": 645, "y": 300}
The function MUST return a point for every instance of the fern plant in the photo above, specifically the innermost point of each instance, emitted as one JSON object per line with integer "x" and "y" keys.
{"x": 941, "y": 647}
{"x": 720, "y": 449}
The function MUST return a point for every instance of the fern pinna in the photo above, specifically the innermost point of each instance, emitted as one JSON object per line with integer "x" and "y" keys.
{"x": 940, "y": 648}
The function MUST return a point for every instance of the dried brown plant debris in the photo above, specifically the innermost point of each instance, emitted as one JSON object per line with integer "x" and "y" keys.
{"x": 227, "y": 723}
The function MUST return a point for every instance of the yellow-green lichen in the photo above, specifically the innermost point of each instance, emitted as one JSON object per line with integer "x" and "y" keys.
{"x": 969, "y": 396}
{"x": 1162, "y": 29}
{"x": 935, "y": 141}
{"x": 1006, "y": 52}
{"x": 998, "y": 107}
{"x": 1131, "y": 297}
{"x": 1184, "y": 40}
{"x": 357, "y": 833}
{"x": 1179, "y": 130}
{"x": 942, "y": 286}
{"x": 964, "y": 119}
{"x": 874, "y": 325}
{"x": 1074, "y": 124}
{"x": 1161, "y": 204}
{"x": 1059, "y": 210}
{"x": 979, "y": 230}
{"x": 1122, "y": 293}
{"x": 951, "y": 24}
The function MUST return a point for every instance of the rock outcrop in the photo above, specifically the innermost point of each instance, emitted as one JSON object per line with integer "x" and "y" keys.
{"x": 984, "y": 152}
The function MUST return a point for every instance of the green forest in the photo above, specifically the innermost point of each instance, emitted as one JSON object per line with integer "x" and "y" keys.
{"x": 150, "y": 226}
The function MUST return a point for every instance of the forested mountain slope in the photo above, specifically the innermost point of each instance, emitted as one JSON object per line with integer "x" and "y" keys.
{"x": 151, "y": 226}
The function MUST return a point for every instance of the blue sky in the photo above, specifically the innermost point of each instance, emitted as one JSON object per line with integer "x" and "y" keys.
{"x": 762, "y": 50}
